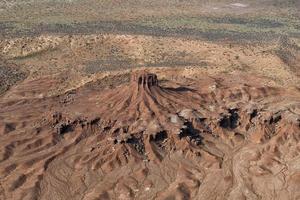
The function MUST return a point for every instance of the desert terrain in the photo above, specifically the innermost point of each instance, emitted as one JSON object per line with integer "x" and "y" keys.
{"x": 149, "y": 100}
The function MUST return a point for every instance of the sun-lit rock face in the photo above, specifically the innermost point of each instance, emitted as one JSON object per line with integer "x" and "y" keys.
{"x": 144, "y": 79}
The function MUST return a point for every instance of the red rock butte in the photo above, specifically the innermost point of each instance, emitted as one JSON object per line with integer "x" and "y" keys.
{"x": 144, "y": 79}
{"x": 210, "y": 138}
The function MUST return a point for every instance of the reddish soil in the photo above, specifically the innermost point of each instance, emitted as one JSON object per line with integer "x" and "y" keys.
{"x": 229, "y": 137}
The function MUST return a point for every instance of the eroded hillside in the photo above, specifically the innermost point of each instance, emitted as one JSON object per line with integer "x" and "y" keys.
{"x": 149, "y": 99}
{"x": 181, "y": 138}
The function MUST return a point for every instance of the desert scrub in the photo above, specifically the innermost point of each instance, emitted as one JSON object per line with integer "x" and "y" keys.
{"x": 10, "y": 76}
{"x": 225, "y": 24}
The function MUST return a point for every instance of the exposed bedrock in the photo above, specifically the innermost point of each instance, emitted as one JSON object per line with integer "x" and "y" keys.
{"x": 153, "y": 140}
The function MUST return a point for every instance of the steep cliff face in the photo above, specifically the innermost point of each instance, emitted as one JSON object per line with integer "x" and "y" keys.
{"x": 211, "y": 138}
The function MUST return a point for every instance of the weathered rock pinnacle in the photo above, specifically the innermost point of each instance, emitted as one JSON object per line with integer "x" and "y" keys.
{"x": 144, "y": 79}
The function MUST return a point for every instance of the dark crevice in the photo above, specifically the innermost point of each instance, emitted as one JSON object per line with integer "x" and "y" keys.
{"x": 136, "y": 142}
{"x": 275, "y": 119}
{"x": 9, "y": 127}
{"x": 230, "y": 121}
{"x": 253, "y": 114}
{"x": 64, "y": 128}
{"x": 95, "y": 121}
{"x": 188, "y": 131}
{"x": 158, "y": 137}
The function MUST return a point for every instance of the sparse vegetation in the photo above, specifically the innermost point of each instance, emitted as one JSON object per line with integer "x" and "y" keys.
{"x": 9, "y": 76}
{"x": 263, "y": 21}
